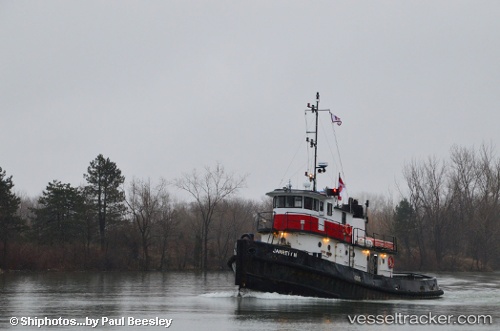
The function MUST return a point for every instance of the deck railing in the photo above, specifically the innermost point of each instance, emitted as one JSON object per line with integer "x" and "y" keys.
{"x": 376, "y": 240}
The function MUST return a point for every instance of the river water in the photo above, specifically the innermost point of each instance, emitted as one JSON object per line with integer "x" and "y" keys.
{"x": 191, "y": 301}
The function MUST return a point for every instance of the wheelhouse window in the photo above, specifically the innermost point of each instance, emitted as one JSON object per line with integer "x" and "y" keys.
{"x": 297, "y": 202}
{"x": 279, "y": 202}
{"x": 291, "y": 201}
{"x": 308, "y": 203}
{"x": 329, "y": 209}
{"x": 312, "y": 204}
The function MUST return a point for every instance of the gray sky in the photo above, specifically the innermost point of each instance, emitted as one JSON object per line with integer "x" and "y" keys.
{"x": 163, "y": 87}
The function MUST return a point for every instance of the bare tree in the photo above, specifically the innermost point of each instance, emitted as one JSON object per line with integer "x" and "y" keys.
{"x": 484, "y": 228}
{"x": 380, "y": 213}
{"x": 475, "y": 182}
{"x": 456, "y": 207}
{"x": 165, "y": 226}
{"x": 430, "y": 199}
{"x": 436, "y": 205}
{"x": 463, "y": 183}
{"x": 208, "y": 191}
{"x": 187, "y": 248}
{"x": 149, "y": 206}
{"x": 413, "y": 175}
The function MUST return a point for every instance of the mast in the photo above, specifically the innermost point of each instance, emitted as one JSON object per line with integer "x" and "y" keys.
{"x": 314, "y": 143}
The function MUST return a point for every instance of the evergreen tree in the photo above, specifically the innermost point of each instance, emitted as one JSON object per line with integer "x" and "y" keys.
{"x": 60, "y": 217}
{"x": 404, "y": 224}
{"x": 104, "y": 188}
{"x": 10, "y": 224}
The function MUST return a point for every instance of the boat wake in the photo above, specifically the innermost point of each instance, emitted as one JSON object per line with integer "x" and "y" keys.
{"x": 225, "y": 294}
{"x": 247, "y": 294}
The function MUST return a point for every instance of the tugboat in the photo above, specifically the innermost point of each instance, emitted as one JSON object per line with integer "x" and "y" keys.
{"x": 314, "y": 245}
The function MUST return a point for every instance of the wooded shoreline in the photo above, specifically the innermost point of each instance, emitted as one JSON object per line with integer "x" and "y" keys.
{"x": 449, "y": 219}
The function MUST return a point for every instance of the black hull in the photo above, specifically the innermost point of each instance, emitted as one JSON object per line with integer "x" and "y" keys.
{"x": 273, "y": 268}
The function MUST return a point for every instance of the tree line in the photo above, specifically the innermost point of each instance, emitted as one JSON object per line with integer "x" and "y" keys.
{"x": 447, "y": 218}
{"x": 104, "y": 225}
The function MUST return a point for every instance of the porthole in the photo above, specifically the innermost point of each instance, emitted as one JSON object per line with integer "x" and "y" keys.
{"x": 319, "y": 244}
{"x": 329, "y": 248}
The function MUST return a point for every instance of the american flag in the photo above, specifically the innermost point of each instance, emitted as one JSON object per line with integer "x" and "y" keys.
{"x": 336, "y": 119}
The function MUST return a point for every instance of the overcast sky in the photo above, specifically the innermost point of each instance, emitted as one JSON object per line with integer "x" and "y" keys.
{"x": 164, "y": 87}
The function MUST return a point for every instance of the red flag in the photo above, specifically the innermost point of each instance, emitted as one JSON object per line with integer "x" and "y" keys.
{"x": 341, "y": 187}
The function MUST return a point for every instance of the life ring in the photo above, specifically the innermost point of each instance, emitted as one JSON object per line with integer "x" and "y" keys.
{"x": 390, "y": 262}
{"x": 347, "y": 230}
